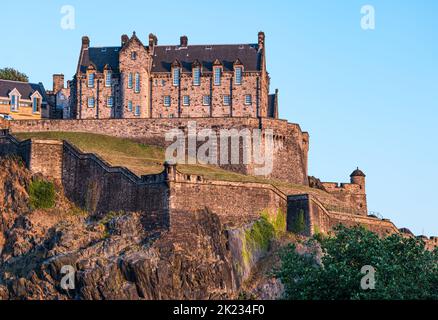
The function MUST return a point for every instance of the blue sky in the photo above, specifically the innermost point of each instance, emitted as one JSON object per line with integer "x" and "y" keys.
{"x": 368, "y": 98}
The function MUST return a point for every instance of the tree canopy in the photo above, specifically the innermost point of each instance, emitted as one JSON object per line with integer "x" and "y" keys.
{"x": 12, "y": 74}
{"x": 404, "y": 269}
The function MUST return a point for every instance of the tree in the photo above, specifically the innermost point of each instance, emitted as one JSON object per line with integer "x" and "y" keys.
{"x": 12, "y": 74}
{"x": 404, "y": 269}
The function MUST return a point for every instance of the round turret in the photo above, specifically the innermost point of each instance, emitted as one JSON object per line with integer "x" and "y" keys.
{"x": 358, "y": 177}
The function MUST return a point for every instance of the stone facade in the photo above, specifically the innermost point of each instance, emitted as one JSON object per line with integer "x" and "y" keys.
{"x": 163, "y": 81}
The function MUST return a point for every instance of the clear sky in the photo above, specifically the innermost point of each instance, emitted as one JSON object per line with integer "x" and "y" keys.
{"x": 367, "y": 98}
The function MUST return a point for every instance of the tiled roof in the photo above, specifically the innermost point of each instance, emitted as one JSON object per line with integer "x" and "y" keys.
{"x": 248, "y": 54}
{"x": 164, "y": 56}
{"x": 26, "y": 89}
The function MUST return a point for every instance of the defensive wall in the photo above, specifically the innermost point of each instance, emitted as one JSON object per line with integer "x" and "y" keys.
{"x": 168, "y": 197}
{"x": 291, "y": 144}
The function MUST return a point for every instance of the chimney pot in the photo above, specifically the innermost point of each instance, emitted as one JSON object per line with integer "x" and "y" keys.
{"x": 85, "y": 42}
{"x": 124, "y": 39}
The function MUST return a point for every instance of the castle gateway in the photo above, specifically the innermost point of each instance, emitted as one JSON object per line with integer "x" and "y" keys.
{"x": 179, "y": 81}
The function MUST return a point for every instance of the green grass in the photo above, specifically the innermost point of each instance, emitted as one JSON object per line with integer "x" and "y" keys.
{"x": 42, "y": 194}
{"x": 145, "y": 159}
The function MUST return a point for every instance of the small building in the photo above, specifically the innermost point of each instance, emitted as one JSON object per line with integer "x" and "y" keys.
{"x": 23, "y": 100}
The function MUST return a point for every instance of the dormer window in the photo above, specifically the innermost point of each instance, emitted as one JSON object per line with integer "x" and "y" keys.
{"x": 14, "y": 103}
{"x": 217, "y": 76}
{"x": 238, "y": 75}
{"x": 91, "y": 80}
{"x": 108, "y": 78}
{"x": 197, "y": 76}
{"x": 176, "y": 76}
{"x": 35, "y": 105}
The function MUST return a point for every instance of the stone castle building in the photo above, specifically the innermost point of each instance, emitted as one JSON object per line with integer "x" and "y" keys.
{"x": 176, "y": 81}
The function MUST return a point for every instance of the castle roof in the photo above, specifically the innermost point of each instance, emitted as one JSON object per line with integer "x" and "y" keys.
{"x": 26, "y": 89}
{"x": 207, "y": 55}
{"x": 249, "y": 55}
{"x": 357, "y": 173}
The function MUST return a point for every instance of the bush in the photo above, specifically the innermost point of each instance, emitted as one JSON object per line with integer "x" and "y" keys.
{"x": 42, "y": 194}
{"x": 404, "y": 268}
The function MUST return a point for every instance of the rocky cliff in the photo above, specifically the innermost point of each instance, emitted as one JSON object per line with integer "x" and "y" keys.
{"x": 111, "y": 257}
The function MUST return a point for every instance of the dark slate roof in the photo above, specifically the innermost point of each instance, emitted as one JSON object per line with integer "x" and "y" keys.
{"x": 164, "y": 56}
{"x": 100, "y": 57}
{"x": 248, "y": 54}
{"x": 26, "y": 89}
{"x": 357, "y": 173}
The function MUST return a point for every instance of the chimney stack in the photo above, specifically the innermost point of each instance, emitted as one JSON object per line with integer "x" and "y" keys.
{"x": 85, "y": 42}
{"x": 58, "y": 82}
{"x": 153, "y": 41}
{"x": 261, "y": 40}
{"x": 124, "y": 39}
{"x": 184, "y": 41}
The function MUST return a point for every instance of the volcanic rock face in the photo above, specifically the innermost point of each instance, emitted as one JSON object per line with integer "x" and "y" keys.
{"x": 112, "y": 258}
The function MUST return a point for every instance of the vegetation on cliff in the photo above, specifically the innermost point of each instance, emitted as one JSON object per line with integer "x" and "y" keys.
{"x": 404, "y": 269}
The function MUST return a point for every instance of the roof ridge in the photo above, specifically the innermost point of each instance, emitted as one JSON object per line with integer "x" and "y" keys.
{"x": 204, "y": 45}
{"x": 15, "y": 81}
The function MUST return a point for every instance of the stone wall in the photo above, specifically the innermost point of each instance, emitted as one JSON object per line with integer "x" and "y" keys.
{"x": 235, "y": 203}
{"x": 291, "y": 145}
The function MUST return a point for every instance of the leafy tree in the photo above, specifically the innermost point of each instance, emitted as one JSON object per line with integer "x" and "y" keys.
{"x": 404, "y": 269}
{"x": 12, "y": 74}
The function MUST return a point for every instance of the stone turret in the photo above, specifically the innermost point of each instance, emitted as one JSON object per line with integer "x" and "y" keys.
{"x": 358, "y": 177}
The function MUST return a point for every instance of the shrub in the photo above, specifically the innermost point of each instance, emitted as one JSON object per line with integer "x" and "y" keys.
{"x": 42, "y": 194}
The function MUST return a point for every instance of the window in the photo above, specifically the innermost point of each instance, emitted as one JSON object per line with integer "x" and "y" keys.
{"x": 238, "y": 75}
{"x": 196, "y": 76}
{"x": 130, "y": 81}
{"x": 35, "y": 106}
{"x": 217, "y": 76}
{"x": 176, "y": 73}
{"x": 167, "y": 101}
{"x": 91, "y": 80}
{"x": 90, "y": 102}
{"x": 186, "y": 100}
{"x": 130, "y": 106}
{"x": 227, "y": 100}
{"x": 137, "y": 83}
{"x": 108, "y": 79}
{"x": 206, "y": 100}
{"x": 14, "y": 103}
{"x": 248, "y": 99}
{"x": 133, "y": 55}
{"x": 137, "y": 111}
{"x": 110, "y": 102}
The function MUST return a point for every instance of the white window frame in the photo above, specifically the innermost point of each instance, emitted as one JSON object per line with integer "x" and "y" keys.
{"x": 176, "y": 75}
{"x": 91, "y": 80}
{"x": 167, "y": 101}
{"x": 130, "y": 80}
{"x": 248, "y": 100}
{"x": 238, "y": 76}
{"x": 206, "y": 100}
{"x": 91, "y": 102}
{"x": 197, "y": 76}
{"x": 130, "y": 106}
{"x": 108, "y": 79}
{"x": 137, "y": 111}
{"x": 186, "y": 100}
{"x": 137, "y": 83}
{"x": 110, "y": 102}
{"x": 217, "y": 76}
{"x": 226, "y": 100}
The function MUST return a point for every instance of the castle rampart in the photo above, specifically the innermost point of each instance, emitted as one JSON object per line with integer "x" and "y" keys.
{"x": 291, "y": 144}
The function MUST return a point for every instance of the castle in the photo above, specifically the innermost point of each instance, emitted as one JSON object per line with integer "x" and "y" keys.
{"x": 140, "y": 93}
{"x": 138, "y": 81}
